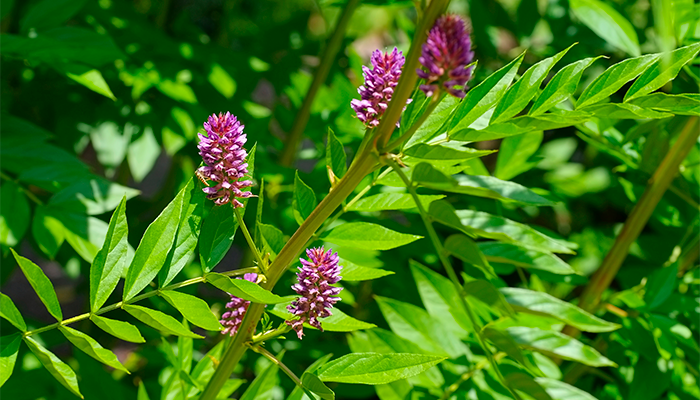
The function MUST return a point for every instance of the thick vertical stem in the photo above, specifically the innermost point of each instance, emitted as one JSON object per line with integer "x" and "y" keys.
{"x": 656, "y": 187}
{"x": 302, "y": 118}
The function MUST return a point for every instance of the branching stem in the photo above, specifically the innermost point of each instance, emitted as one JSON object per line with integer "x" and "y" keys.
{"x": 261, "y": 350}
{"x": 251, "y": 243}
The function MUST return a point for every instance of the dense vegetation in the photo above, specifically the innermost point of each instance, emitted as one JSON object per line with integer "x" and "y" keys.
{"x": 533, "y": 236}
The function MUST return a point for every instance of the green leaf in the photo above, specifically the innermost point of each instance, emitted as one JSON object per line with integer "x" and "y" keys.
{"x": 8, "y": 357}
{"x": 92, "y": 348}
{"x": 540, "y": 303}
{"x": 142, "y": 393}
{"x": 122, "y": 330}
{"x": 514, "y": 153}
{"x": 487, "y": 293}
{"x": 368, "y": 236}
{"x": 336, "y": 160}
{"x": 93, "y": 80}
{"x": 558, "y": 345}
{"x": 177, "y": 91}
{"x": 663, "y": 70}
{"x": 153, "y": 249}
{"x": 562, "y": 86}
{"x": 193, "y": 309}
{"x": 660, "y": 285}
{"x": 504, "y": 343}
{"x": 441, "y": 299}
{"x": 218, "y": 230}
{"x": 9, "y": 311}
{"x": 187, "y": 233}
{"x": 375, "y": 369}
{"x": 304, "y": 200}
{"x": 431, "y": 127}
{"x": 85, "y": 234}
{"x": 315, "y": 385}
{"x": 614, "y": 78}
{"x": 484, "y": 96}
{"x": 508, "y": 253}
{"x": 263, "y": 386}
{"x": 523, "y": 124}
{"x": 608, "y": 24}
{"x": 523, "y": 382}
{"x": 41, "y": 284}
{"x": 451, "y": 152}
{"x": 354, "y": 272}
{"x": 222, "y": 81}
{"x": 160, "y": 321}
{"x": 338, "y": 322}
{"x": 244, "y": 289}
{"x": 392, "y": 201}
{"x": 675, "y": 104}
{"x": 519, "y": 95}
{"x": 477, "y": 185}
{"x": 60, "y": 370}
{"x": 298, "y": 393}
{"x": 624, "y": 111}
{"x": 92, "y": 197}
{"x": 272, "y": 239}
{"x": 467, "y": 250}
{"x": 491, "y": 226}
{"x": 415, "y": 324}
{"x": 142, "y": 154}
{"x": 560, "y": 390}
{"x": 108, "y": 265}
{"x": 50, "y": 14}
{"x": 47, "y": 231}
{"x": 14, "y": 214}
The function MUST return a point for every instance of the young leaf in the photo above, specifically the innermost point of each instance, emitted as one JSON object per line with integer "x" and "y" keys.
{"x": 354, "y": 272}
{"x": 338, "y": 322}
{"x": 243, "y": 289}
{"x": 187, "y": 233}
{"x": 375, "y": 369}
{"x": 304, "y": 200}
{"x": 484, "y": 96}
{"x": 558, "y": 345}
{"x": 562, "y": 86}
{"x": 522, "y": 91}
{"x": 8, "y": 356}
{"x": 92, "y": 348}
{"x": 392, "y": 201}
{"x": 509, "y": 253}
{"x": 663, "y": 70}
{"x": 614, "y": 78}
{"x": 608, "y": 24}
{"x": 476, "y": 185}
{"x": 218, "y": 230}
{"x": 415, "y": 324}
{"x": 90, "y": 78}
{"x": 560, "y": 390}
{"x": 9, "y": 311}
{"x": 539, "y": 303}
{"x": 160, "y": 321}
{"x": 193, "y": 309}
{"x": 14, "y": 214}
{"x": 108, "y": 265}
{"x": 336, "y": 160}
{"x": 315, "y": 385}
{"x": 41, "y": 284}
{"x": 153, "y": 249}
{"x": 365, "y": 235}
{"x": 60, "y": 370}
{"x": 47, "y": 231}
{"x": 120, "y": 329}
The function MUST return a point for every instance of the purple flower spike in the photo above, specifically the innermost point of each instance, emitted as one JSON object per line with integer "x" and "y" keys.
{"x": 223, "y": 153}
{"x": 231, "y": 320}
{"x": 315, "y": 277}
{"x": 379, "y": 86}
{"x": 445, "y": 56}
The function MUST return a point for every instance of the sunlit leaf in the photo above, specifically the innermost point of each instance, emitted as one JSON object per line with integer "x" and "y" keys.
{"x": 92, "y": 348}
{"x": 368, "y": 236}
{"x": 160, "y": 321}
{"x": 607, "y": 23}
{"x": 374, "y": 368}
{"x": 41, "y": 284}
{"x": 60, "y": 370}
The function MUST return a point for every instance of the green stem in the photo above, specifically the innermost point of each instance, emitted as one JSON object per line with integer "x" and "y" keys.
{"x": 450, "y": 272}
{"x": 251, "y": 243}
{"x": 327, "y": 58}
{"x": 283, "y": 367}
{"x": 656, "y": 187}
{"x": 467, "y": 375}
{"x": 136, "y": 299}
{"x": 435, "y": 100}
{"x": 271, "y": 334}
